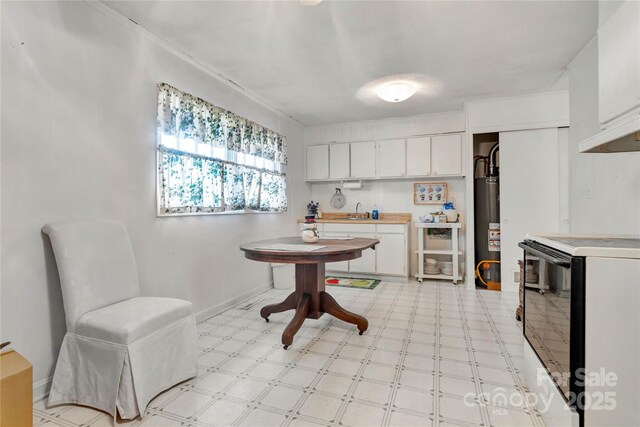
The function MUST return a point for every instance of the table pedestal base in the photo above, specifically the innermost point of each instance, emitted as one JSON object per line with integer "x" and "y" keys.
{"x": 310, "y": 301}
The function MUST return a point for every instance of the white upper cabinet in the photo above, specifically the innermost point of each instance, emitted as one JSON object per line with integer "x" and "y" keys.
{"x": 363, "y": 159}
{"x": 619, "y": 62}
{"x": 339, "y": 161}
{"x": 436, "y": 155}
{"x": 317, "y": 162}
{"x": 391, "y": 158}
{"x": 419, "y": 156}
{"x": 446, "y": 155}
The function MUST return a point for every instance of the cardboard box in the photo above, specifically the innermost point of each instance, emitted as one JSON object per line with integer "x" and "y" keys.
{"x": 16, "y": 390}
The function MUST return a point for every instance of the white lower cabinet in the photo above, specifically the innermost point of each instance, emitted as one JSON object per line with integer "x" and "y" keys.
{"x": 367, "y": 262}
{"x": 342, "y": 266}
{"x": 390, "y": 258}
{"x": 391, "y": 255}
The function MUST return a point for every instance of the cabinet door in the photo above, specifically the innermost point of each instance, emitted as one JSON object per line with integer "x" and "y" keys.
{"x": 363, "y": 159}
{"x": 367, "y": 262}
{"x": 391, "y": 158}
{"x": 391, "y": 255}
{"x": 317, "y": 162}
{"x": 446, "y": 155}
{"x": 339, "y": 161}
{"x": 619, "y": 62}
{"x": 419, "y": 156}
{"x": 342, "y": 266}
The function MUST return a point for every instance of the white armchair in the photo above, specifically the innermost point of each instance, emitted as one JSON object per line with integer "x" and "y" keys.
{"x": 121, "y": 349}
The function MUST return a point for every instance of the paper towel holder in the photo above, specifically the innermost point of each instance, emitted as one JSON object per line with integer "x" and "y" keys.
{"x": 352, "y": 185}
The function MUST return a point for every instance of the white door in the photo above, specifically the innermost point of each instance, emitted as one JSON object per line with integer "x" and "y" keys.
{"x": 367, "y": 262}
{"x": 317, "y": 162}
{"x": 391, "y": 158}
{"x": 339, "y": 161}
{"x": 419, "y": 156}
{"x": 363, "y": 159}
{"x": 391, "y": 255}
{"x": 529, "y": 193}
{"x": 446, "y": 155}
{"x": 342, "y": 266}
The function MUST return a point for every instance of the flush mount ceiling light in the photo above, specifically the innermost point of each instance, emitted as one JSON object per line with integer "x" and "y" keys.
{"x": 400, "y": 87}
{"x": 397, "y": 91}
{"x": 309, "y": 2}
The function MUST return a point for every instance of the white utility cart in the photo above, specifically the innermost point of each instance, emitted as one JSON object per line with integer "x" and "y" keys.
{"x": 453, "y": 251}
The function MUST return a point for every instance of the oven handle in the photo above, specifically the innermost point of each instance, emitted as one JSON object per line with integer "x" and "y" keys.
{"x": 560, "y": 262}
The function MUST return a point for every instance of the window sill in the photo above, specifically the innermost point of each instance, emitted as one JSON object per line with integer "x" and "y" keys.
{"x": 242, "y": 212}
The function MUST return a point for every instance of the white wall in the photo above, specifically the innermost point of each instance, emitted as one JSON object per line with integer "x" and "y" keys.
{"x": 535, "y": 111}
{"x": 604, "y": 188}
{"x": 391, "y": 128}
{"x": 78, "y": 141}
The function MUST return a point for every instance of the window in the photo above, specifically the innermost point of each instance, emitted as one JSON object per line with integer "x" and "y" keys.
{"x": 211, "y": 160}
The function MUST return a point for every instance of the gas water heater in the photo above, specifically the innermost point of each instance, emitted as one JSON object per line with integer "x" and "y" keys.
{"x": 487, "y": 224}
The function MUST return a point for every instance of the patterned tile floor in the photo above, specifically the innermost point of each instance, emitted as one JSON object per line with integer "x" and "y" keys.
{"x": 434, "y": 354}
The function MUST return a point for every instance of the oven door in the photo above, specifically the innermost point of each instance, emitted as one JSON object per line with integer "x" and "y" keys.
{"x": 553, "y": 321}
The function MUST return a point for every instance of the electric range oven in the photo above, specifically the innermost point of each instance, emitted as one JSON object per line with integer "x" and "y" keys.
{"x": 582, "y": 325}
{"x": 554, "y": 318}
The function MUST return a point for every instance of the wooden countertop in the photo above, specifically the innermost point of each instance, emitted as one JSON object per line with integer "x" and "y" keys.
{"x": 343, "y": 218}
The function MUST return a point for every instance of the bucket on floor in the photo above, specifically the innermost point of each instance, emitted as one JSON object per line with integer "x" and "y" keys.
{"x": 284, "y": 275}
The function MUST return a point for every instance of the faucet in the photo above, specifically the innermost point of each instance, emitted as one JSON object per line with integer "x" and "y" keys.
{"x": 357, "y": 206}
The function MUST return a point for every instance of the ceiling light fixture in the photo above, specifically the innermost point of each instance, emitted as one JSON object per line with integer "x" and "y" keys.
{"x": 309, "y": 2}
{"x": 397, "y": 91}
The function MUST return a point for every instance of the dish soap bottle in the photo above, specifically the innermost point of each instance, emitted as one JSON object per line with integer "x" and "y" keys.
{"x": 374, "y": 213}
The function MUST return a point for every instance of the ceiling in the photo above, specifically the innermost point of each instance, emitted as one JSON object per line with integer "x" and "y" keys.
{"x": 317, "y": 64}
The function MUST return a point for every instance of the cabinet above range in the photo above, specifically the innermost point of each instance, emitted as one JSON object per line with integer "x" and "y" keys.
{"x": 416, "y": 157}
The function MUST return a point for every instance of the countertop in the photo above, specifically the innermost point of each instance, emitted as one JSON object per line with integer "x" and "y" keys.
{"x": 343, "y": 218}
{"x": 602, "y": 245}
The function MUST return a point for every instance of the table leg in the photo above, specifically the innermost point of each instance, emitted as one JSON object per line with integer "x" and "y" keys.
{"x": 331, "y": 306}
{"x": 301, "y": 313}
{"x": 310, "y": 281}
{"x": 288, "y": 304}
{"x": 310, "y": 301}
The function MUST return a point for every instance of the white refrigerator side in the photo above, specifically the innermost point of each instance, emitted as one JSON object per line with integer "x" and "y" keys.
{"x": 612, "y": 340}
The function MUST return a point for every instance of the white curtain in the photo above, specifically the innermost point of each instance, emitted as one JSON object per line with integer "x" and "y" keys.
{"x": 211, "y": 160}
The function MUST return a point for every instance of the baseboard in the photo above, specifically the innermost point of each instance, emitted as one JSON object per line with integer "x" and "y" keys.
{"x": 41, "y": 389}
{"x": 225, "y": 305}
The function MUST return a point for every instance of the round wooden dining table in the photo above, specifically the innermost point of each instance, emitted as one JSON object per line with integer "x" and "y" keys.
{"x": 309, "y": 299}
